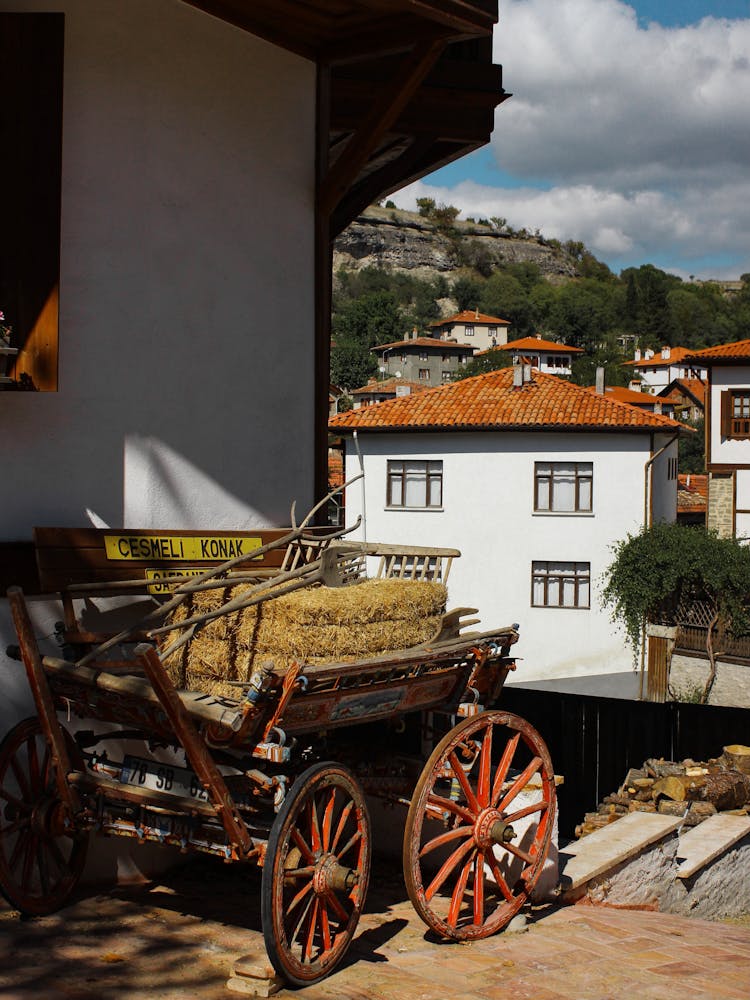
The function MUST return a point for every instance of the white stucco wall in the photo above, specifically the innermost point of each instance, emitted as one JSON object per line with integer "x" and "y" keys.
{"x": 487, "y": 513}
{"x": 187, "y": 290}
{"x": 725, "y": 451}
{"x": 186, "y": 281}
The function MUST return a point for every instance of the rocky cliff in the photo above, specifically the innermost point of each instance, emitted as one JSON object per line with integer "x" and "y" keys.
{"x": 405, "y": 241}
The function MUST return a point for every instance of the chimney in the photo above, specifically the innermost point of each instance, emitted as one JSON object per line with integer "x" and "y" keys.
{"x": 600, "y": 381}
{"x": 527, "y": 373}
{"x": 476, "y": 312}
{"x": 657, "y": 407}
{"x": 539, "y": 336}
{"x": 665, "y": 353}
{"x": 517, "y": 376}
{"x": 648, "y": 355}
{"x": 414, "y": 333}
{"x": 637, "y": 354}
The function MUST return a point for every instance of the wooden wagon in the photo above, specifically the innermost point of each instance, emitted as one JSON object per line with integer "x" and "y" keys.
{"x": 279, "y": 775}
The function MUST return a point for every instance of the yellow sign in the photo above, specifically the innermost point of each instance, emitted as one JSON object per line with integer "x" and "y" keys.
{"x": 163, "y": 575}
{"x": 176, "y": 548}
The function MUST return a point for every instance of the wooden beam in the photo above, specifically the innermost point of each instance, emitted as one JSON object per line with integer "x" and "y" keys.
{"x": 385, "y": 110}
{"x": 382, "y": 38}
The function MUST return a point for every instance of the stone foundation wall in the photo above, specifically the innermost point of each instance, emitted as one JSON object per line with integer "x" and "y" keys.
{"x": 720, "y": 509}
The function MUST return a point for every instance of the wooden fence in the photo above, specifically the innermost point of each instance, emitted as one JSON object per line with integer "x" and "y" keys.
{"x": 593, "y": 741}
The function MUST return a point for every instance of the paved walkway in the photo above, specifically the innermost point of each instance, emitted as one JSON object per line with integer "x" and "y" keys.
{"x": 179, "y": 940}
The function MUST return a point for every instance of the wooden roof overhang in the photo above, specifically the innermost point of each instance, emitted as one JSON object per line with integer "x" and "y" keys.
{"x": 404, "y": 86}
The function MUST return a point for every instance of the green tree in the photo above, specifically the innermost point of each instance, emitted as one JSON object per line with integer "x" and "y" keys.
{"x": 583, "y": 313}
{"x": 504, "y": 296}
{"x": 656, "y": 571}
{"x": 467, "y": 292}
{"x": 692, "y": 448}
{"x": 359, "y": 325}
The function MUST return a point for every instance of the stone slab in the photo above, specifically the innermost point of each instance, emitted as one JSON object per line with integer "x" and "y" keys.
{"x": 704, "y": 843}
{"x": 612, "y": 845}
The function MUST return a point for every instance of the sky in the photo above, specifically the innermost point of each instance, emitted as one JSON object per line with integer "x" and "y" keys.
{"x": 628, "y": 129}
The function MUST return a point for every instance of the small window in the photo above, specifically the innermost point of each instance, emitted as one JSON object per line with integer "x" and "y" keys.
{"x": 735, "y": 413}
{"x": 560, "y": 584}
{"x": 414, "y": 483}
{"x": 469, "y": 330}
{"x": 445, "y": 356}
{"x": 403, "y": 355}
{"x": 423, "y": 355}
{"x": 563, "y": 487}
{"x": 672, "y": 468}
{"x": 493, "y": 332}
{"x": 446, "y": 376}
{"x": 424, "y": 374}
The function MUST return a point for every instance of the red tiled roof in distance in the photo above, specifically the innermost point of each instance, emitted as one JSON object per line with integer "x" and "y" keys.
{"x": 423, "y": 342}
{"x": 630, "y": 396}
{"x": 492, "y": 402}
{"x": 687, "y": 386}
{"x": 692, "y": 493}
{"x": 388, "y": 385}
{"x": 738, "y": 351}
{"x": 676, "y": 355}
{"x": 471, "y": 316}
{"x": 534, "y": 344}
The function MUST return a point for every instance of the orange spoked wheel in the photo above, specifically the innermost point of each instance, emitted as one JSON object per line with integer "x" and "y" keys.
{"x": 315, "y": 874}
{"x": 41, "y": 856}
{"x": 479, "y": 826}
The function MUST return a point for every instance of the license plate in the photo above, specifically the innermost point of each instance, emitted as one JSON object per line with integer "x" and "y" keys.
{"x": 161, "y": 777}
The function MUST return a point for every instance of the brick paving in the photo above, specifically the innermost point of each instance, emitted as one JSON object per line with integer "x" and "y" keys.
{"x": 180, "y": 939}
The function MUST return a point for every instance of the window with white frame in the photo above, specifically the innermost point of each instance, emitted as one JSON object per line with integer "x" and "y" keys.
{"x": 469, "y": 329}
{"x": 563, "y": 487}
{"x": 424, "y": 374}
{"x": 423, "y": 355}
{"x": 414, "y": 483}
{"x": 446, "y": 376}
{"x": 560, "y": 584}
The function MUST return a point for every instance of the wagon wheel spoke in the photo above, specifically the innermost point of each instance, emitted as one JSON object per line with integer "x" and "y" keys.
{"x": 479, "y": 889}
{"x": 464, "y": 783}
{"x": 445, "y": 838}
{"x": 535, "y": 807}
{"x": 315, "y": 874}
{"x": 485, "y": 766}
{"x": 449, "y": 805}
{"x": 520, "y": 782}
{"x": 447, "y": 867}
{"x": 499, "y": 877}
{"x": 458, "y": 894}
{"x": 503, "y": 767}
{"x": 465, "y": 880}
{"x": 38, "y": 868}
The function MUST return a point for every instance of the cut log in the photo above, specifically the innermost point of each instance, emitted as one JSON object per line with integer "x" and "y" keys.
{"x": 678, "y": 787}
{"x": 669, "y": 808}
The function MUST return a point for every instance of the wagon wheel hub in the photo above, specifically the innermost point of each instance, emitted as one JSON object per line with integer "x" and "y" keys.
{"x": 491, "y": 828}
{"x": 48, "y": 818}
{"x": 330, "y": 876}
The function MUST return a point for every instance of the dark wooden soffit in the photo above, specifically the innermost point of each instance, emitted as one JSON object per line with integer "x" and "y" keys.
{"x": 411, "y": 85}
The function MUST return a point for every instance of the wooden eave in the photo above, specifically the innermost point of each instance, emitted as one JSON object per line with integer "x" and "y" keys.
{"x": 410, "y": 84}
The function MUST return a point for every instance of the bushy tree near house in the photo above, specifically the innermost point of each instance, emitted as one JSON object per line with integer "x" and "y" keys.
{"x": 668, "y": 565}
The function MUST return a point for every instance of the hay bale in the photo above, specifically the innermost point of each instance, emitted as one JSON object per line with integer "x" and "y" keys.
{"x": 312, "y": 625}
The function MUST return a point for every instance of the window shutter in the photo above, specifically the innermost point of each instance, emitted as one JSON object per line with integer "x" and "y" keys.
{"x": 726, "y": 413}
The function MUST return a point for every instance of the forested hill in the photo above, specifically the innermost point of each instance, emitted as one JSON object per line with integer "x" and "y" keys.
{"x": 395, "y": 270}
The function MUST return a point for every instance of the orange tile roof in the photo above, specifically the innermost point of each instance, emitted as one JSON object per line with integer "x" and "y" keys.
{"x": 623, "y": 395}
{"x": 738, "y": 351}
{"x": 687, "y": 386}
{"x": 491, "y": 402}
{"x": 470, "y": 316}
{"x": 676, "y": 355}
{"x": 388, "y": 385}
{"x": 534, "y": 344}
{"x": 423, "y": 342}
{"x": 692, "y": 493}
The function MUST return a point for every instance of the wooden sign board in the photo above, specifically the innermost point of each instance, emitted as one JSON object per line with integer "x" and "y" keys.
{"x": 67, "y": 556}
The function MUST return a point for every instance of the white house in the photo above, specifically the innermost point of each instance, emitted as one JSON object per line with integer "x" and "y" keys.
{"x": 728, "y": 437}
{"x": 654, "y": 372}
{"x": 173, "y": 174}
{"x": 544, "y": 355}
{"x": 533, "y": 481}
{"x": 472, "y": 327}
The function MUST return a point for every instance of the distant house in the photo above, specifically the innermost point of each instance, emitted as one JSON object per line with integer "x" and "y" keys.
{"x": 544, "y": 355}
{"x": 727, "y": 436}
{"x": 692, "y": 494}
{"x": 426, "y": 360}
{"x": 378, "y": 391}
{"x": 473, "y": 327}
{"x": 533, "y": 481}
{"x": 654, "y": 372}
{"x": 687, "y": 397}
{"x": 643, "y": 400}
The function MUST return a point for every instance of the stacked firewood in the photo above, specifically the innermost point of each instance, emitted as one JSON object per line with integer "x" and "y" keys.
{"x": 690, "y": 789}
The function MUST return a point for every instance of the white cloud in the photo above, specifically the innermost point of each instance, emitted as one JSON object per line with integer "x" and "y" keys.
{"x": 639, "y": 135}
